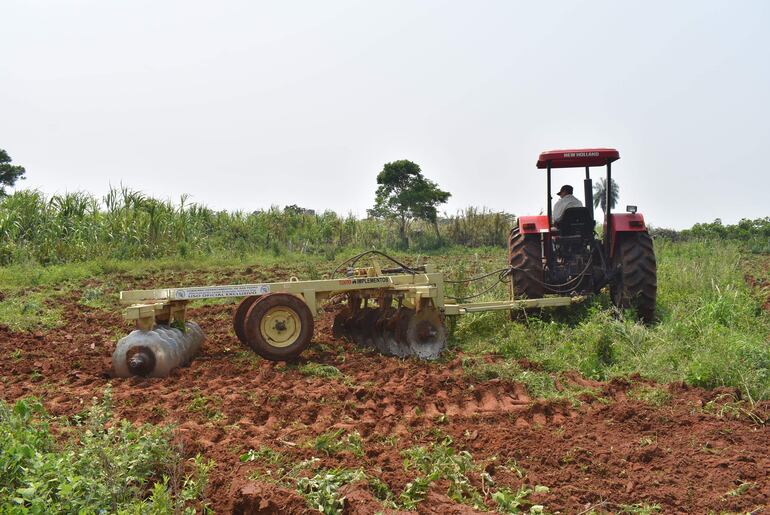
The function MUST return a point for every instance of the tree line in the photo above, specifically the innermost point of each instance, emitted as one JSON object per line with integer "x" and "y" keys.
{"x": 127, "y": 224}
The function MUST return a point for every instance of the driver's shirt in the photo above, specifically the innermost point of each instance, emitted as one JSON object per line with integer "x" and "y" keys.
{"x": 562, "y": 204}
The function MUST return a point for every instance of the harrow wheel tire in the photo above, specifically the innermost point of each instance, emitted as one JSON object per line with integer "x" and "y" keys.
{"x": 524, "y": 254}
{"x": 279, "y": 327}
{"x": 239, "y": 317}
{"x": 636, "y": 284}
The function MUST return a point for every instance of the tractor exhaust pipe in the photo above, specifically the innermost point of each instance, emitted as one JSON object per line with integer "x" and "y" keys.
{"x": 588, "y": 189}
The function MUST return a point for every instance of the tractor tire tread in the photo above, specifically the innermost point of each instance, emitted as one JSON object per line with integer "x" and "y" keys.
{"x": 524, "y": 254}
{"x": 636, "y": 256}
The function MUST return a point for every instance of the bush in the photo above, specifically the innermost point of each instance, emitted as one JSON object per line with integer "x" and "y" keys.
{"x": 755, "y": 233}
{"x": 106, "y": 466}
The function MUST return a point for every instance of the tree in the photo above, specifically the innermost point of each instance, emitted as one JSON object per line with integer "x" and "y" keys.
{"x": 404, "y": 194}
{"x": 9, "y": 173}
{"x": 600, "y": 194}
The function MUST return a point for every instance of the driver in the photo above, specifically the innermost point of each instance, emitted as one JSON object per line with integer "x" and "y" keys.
{"x": 567, "y": 200}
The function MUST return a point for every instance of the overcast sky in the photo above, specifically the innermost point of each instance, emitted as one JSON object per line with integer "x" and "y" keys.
{"x": 249, "y": 104}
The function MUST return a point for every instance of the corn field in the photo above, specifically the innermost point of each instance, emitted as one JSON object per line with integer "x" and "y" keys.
{"x": 127, "y": 224}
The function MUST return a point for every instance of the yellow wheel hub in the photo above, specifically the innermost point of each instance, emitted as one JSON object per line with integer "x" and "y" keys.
{"x": 280, "y": 326}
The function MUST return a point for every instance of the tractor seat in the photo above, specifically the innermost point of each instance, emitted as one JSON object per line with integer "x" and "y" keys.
{"x": 576, "y": 221}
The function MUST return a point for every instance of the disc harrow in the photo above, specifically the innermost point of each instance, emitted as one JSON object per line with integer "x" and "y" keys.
{"x": 399, "y": 311}
{"x": 392, "y": 328}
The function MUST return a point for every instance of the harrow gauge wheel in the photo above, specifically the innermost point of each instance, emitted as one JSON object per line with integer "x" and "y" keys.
{"x": 239, "y": 317}
{"x": 279, "y": 326}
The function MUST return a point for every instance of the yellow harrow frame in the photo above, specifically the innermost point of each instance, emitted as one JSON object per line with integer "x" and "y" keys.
{"x": 420, "y": 296}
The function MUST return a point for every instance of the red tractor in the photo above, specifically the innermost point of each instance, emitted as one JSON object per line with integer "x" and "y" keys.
{"x": 567, "y": 258}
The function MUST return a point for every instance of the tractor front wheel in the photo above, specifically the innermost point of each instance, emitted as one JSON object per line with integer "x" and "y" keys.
{"x": 636, "y": 282}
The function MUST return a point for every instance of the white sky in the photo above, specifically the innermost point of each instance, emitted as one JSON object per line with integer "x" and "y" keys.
{"x": 248, "y": 104}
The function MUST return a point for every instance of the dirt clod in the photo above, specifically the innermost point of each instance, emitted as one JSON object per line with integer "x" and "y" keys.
{"x": 256, "y": 498}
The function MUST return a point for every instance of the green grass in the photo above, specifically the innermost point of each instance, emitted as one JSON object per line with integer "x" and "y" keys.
{"x": 320, "y": 370}
{"x": 638, "y": 509}
{"x": 337, "y": 441}
{"x": 103, "y": 464}
{"x": 652, "y": 395}
{"x": 539, "y": 383}
{"x": 712, "y": 330}
{"x": 29, "y": 311}
{"x": 265, "y": 454}
{"x": 206, "y": 406}
{"x": 30, "y": 294}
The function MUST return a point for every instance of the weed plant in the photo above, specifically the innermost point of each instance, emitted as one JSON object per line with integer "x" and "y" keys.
{"x": 336, "y": 441}
{"x": 320, "y": 370}
{"x": 106, "y": 465}
{"x": 320, "y": 490}
{"x": 439, "y": 462}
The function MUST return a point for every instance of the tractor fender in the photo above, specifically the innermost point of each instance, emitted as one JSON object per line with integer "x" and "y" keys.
{"x": 534, "y": 224}
{"x": 625, "y": 222}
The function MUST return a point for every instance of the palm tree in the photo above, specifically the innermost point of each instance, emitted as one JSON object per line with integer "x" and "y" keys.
{"x": 600, "y": 194}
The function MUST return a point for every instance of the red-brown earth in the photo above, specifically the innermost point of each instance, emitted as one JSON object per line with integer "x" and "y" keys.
{"x": 758, "y": 278}
{"x": 607, "y": 451}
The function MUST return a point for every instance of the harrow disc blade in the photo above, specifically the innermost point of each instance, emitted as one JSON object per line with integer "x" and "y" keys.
{"x": 401, "y": 332}
{"x": 368, "y": 327}
{"x": 391, "y": 343}
{"x": 341, "y": 322}
{"x": 426, "y": 334}
{"x": 357, "y": 328}
{"x": 381, "y": 330}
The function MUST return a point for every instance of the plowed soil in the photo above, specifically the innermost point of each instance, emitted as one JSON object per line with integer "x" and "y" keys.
{"x": 759, "y": 279}
{"x": 607, "y": 451}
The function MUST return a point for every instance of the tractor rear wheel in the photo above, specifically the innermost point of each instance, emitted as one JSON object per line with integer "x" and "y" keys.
{"x": 636, "y": 284}
{"x": 525, "y": 256}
